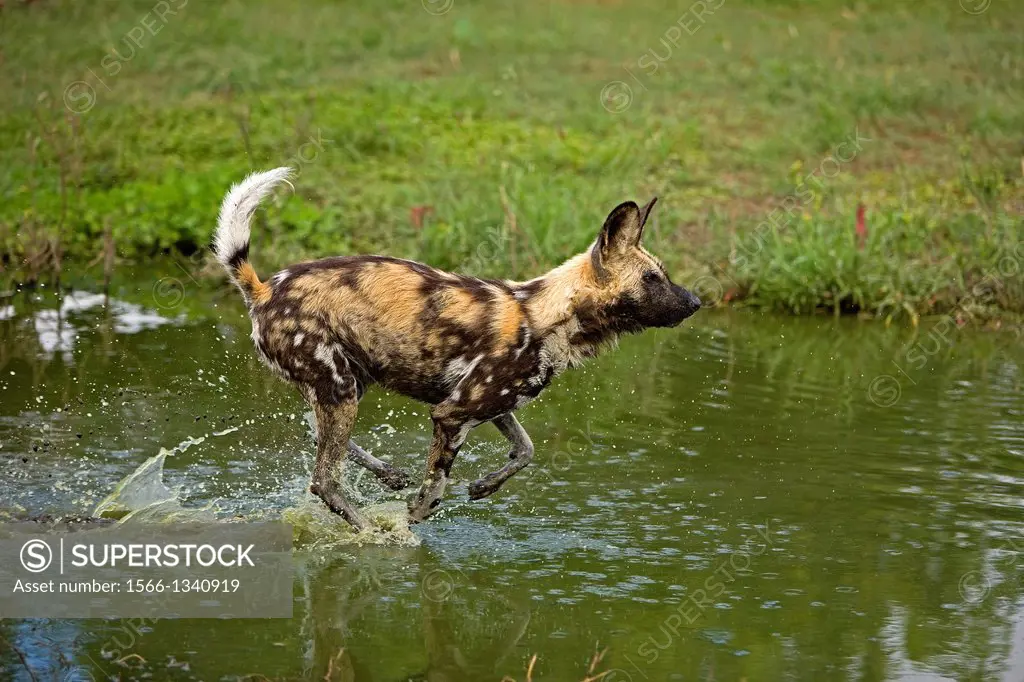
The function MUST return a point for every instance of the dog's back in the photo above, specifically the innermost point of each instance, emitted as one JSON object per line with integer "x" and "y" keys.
{"x": 407, "y": 326}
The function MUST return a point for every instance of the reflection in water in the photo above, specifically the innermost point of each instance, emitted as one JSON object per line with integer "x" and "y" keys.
{"x": 348, "y": 593}
{"x": 56, "y": 330}
{"x": 890, "y": 521}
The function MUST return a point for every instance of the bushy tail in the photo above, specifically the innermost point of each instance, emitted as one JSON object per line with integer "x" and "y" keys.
{"x": 231, "y": 241}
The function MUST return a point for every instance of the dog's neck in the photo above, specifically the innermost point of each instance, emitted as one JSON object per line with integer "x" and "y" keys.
{"x": 563, "y": 312}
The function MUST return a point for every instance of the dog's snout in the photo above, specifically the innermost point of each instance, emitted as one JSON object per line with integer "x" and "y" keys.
{"x": 688, "y": 299}
{"x": 694, "y": 301}
{"x": 684, "y": 305}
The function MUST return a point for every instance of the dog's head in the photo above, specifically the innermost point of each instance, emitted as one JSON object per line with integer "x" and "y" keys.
{"x": 634, "y": 290}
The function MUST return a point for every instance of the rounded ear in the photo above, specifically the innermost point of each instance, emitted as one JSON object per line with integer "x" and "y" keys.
{"x": 623, "y": 229}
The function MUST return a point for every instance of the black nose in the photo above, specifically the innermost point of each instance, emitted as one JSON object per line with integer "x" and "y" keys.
{"x": 690, "y": 302}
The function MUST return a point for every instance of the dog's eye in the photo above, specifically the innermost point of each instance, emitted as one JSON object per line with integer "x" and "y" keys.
{"x": 651, "y": 277}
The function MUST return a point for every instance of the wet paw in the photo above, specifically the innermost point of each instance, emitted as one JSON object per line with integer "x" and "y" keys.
{"x": 480, "y": 489}
{"x": 420, "y": 510}
{"x": 336, "y": 503}
{"x": 396, "y": 479}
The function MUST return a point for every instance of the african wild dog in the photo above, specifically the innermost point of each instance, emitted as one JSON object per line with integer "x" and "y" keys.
{"x": 474, "y": 349}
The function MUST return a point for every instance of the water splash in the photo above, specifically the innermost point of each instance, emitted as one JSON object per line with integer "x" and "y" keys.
{"x": 143, "y": 496}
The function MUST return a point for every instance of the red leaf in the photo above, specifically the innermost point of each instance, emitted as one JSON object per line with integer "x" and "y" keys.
{"x": 417, "y": 213}
{"x": 862, "y": 228}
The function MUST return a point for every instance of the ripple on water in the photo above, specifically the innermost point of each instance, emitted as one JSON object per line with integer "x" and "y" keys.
{"x": 754, "y": 437}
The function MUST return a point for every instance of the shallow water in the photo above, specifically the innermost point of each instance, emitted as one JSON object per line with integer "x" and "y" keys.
{"x": 744, "y": 497}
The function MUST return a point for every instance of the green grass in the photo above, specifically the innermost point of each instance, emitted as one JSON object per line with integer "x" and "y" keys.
{"x": 492, "y": 116}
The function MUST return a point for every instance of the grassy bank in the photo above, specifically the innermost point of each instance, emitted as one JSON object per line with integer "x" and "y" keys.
{"x": 494, "y": 137}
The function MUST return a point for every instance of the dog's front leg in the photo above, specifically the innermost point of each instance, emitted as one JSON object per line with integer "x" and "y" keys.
{"x": 519, "y": 457}
{"x": 449, "y": 435}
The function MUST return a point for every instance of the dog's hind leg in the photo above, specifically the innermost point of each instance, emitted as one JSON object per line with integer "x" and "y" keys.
{"x": 334, "y": 422}
{"x": 392, "y": 477}
{"x": 520, "y": 456}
